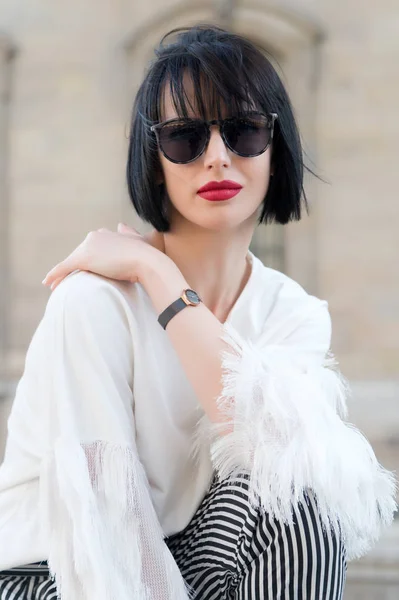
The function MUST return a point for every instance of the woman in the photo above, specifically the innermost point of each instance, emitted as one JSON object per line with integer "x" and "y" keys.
{"x": 178, "y": 430}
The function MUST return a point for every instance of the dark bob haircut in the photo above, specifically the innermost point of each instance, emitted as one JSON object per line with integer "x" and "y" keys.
{"x": 227, "y": 71}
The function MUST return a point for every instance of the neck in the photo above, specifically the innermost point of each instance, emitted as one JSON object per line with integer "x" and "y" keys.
{"x": 214, "y": 265}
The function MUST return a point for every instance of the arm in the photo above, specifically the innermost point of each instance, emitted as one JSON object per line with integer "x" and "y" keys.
{"x": 192, "y": 328}
{"x": 275, "y": 408}
{"x": 273, "y": 405}
{"x": 104, "y": 538}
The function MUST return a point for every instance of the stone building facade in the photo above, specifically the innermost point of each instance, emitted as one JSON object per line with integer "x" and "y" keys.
{"x": 68, "y": 73}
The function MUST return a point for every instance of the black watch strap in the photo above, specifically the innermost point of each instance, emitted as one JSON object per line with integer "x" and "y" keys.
{"x": 188, "y": 298}
{"x": 171, "y": 311}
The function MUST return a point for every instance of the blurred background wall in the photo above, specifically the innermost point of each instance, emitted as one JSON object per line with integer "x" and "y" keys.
{"x": 68, "y": 73}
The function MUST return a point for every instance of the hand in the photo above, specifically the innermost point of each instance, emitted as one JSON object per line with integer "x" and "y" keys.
{"x": 122, "y": 255}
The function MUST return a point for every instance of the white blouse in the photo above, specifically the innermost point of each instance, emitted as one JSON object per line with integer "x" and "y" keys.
{"x": 109, "y": 450}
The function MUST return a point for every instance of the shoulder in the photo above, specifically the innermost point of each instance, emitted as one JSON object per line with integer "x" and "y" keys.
{"x": 83, "y": 290}
{"x": 287, "y": 308}
{"x": 282, "y": 289}
{"x": 279, "y": 284}
{"x": 88, "y": 299}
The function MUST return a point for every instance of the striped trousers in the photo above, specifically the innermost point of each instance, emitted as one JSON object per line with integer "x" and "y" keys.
{"x": 231, "y": 551}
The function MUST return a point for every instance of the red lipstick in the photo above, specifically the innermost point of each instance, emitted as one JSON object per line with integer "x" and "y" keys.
{"x": 219, "y": 190}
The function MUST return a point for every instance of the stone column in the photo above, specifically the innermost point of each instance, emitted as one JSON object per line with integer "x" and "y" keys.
{"x": 6, "y": 54}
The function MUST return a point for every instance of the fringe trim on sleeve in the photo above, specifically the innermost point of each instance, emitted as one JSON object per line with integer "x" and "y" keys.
{"x": 282, "y": 424}
{"x": 97, "y": 509}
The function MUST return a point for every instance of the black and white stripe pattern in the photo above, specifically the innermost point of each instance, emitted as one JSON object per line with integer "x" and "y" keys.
{"x": 230, "y": 551}
{"x": 30, "y": 582}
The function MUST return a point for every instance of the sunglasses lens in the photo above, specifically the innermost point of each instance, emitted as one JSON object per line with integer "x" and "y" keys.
{"x": 182, "y": 141}
{"x": 248, "y": 136}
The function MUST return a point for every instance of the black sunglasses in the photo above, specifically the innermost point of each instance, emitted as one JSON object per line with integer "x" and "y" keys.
{"x": 184, "y": 140}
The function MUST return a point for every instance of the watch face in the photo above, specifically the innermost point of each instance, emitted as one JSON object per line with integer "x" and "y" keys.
{"x": 193, "y": 296}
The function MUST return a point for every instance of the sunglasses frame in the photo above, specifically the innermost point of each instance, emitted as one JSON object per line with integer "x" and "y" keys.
{"x": 271, "y": 117}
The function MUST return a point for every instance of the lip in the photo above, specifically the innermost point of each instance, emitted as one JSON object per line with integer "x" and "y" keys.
{"x": 217, "y": 195}
{"x": 226, "y": 184}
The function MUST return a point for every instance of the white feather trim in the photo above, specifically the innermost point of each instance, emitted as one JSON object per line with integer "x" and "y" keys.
{"x": 104, "y": 536}
{"x": 282, "y": 424}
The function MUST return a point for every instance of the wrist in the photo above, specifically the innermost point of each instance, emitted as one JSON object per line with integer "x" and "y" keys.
{"x": 163, "y": 282}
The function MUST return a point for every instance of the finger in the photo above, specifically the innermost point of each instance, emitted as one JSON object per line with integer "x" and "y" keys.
{"x": 51, "y": 275}
{"x": 56, "y": 283}
{"x": 156, "y": 239}
{"x": 104, "y": 229}
{"x": 123, "y": 228}
{"x": 77, "y": 260}
{"x": 71, "y": 263}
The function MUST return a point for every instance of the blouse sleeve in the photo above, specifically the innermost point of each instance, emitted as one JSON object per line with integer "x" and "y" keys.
{"x": 104, "y": 537}
{"x": 283, "y": 407}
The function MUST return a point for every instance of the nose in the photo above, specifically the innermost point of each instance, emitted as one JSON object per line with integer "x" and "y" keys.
{"x": 216, "y": 154}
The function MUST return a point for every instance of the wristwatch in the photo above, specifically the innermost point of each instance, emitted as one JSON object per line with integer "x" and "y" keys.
{"x": 188, "y": 298}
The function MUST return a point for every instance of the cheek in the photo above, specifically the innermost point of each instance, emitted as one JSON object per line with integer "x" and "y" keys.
{"x": 257, "y": 171}
{"x": 178, "y": 178}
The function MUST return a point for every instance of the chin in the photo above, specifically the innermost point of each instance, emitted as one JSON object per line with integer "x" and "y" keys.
{"x": 222, "y": 222}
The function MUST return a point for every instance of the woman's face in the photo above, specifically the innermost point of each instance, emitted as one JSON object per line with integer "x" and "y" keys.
{"x": 217, "y": 163}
